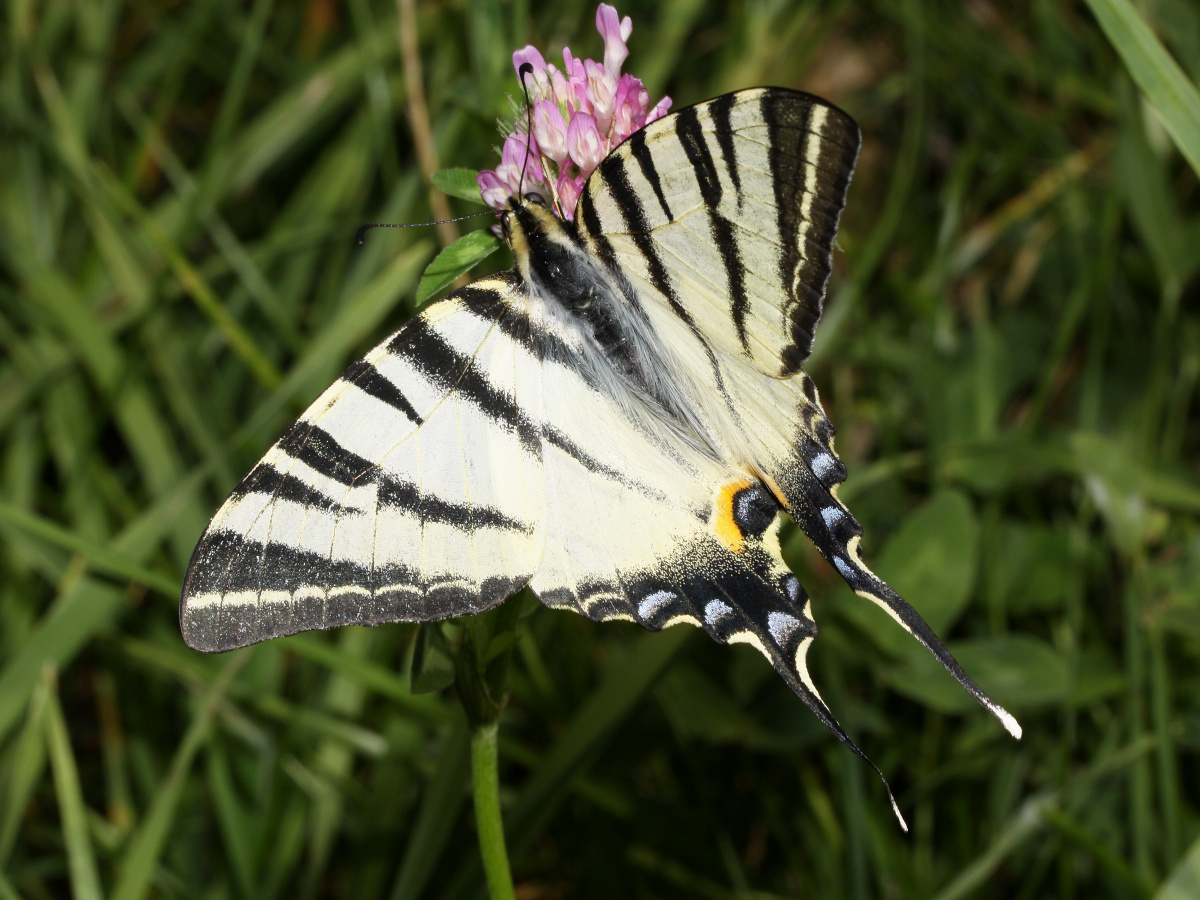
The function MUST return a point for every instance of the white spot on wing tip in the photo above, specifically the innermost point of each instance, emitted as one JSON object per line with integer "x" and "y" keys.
{"x": 896, "y": 810}
{"x": 1011, "y": 725}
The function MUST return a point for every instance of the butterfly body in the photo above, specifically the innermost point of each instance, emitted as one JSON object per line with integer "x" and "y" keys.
{"x": 620, "y": 422}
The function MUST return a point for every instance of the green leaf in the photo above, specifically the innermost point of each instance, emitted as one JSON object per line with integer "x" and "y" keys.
{"x": 459, "y": 257}
{"x": 1165, "y": 85}
{"x": 458, "y": 183}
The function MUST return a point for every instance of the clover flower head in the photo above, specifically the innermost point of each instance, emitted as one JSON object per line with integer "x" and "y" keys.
{"x": 579, "y": 114}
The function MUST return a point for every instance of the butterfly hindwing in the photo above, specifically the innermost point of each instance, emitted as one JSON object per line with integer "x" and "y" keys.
{"x": 410, "y": 490}
{"x": 647, "y": 527}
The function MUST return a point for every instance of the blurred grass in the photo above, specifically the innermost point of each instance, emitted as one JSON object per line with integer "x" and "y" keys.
{"x": 1011, "y": 354}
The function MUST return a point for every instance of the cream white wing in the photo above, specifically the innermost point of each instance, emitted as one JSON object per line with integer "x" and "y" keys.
{"x": 645, "y": 526}
{"x": 412, "y": 489}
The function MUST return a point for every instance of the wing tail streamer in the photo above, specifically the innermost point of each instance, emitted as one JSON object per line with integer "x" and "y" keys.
{"x": 805, "y": 481}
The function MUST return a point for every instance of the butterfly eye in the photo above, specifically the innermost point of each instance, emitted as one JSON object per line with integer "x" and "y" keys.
{"x": 535, "y": 199}
{"x": 504, "y": 223}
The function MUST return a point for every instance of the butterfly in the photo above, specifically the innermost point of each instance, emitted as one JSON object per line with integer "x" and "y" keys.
{"x": 620, "y": 422}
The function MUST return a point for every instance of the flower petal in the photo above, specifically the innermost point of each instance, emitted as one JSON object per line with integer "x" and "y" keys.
{"x": 495, "y": 192}
{"x": 568, "y": 190}
{"x": 550, "y": 130}
{"x": 584, "y": 142}
{"x": 530, "y": 54}
{"x": 615, "y": 32}
{"x": 629, "y": 112}
{"x": 660, "y": 109}
{"x": 517, "y": 150}
{"x": 601, "y": 91}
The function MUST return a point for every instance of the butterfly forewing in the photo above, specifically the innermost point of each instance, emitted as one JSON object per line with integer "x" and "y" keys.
{"x": 410, "y": 490}
{"x": 725, "y": 213}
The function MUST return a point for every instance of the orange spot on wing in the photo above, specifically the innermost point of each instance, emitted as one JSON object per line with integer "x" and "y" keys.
{"x": 723, "y": 525}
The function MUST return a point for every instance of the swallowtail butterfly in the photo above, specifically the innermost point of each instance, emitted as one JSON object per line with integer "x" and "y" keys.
{"x": 620, "y": 421}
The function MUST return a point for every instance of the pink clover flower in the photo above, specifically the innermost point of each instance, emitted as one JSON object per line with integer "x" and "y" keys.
{"x": 579, "y": 114}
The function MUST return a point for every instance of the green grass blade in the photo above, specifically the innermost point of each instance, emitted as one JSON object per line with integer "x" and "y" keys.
{"x": 1024, "y": 825}
{"x": 81, "y": 860}
{"x": 70, "y": 622}
{"x": 233, "y": 819}
{"x": 1160, "y": 78}
{"x": 369, "y": 675}
{"x": 103, "y": 560}
{"x": 7, "y": 891}
{"x": 440, "y": 807}
{"x": 136, "y": 868}
{"x": 25, "y": 764}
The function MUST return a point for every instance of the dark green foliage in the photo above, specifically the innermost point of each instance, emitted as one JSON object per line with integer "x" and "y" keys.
{"x": 1011, "y": 354}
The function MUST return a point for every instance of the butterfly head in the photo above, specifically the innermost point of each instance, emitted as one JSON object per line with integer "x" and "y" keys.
{"x": 535, "y": 233}
{"x": 525, "y": 213}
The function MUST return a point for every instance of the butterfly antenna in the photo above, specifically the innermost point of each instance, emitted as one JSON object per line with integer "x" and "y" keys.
{"x": 526, "y": 69}
{"x": 363, "y": 229}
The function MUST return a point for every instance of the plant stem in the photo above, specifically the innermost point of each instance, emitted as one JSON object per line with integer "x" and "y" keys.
{"x": 486, "y": 777}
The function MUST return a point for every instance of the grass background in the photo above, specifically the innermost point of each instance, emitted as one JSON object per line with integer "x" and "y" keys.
{"x": 1010, "y": 352}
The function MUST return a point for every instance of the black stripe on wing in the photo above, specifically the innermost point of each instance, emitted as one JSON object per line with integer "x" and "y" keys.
{"x": 645, "y": 159}
{"x": 404, "y": 495}
{"x": 370, "y": 380}
{"x": 513, "y": 319}
{"x": 320, "y": 451}
{"x": 695, "y": 145}
{"x": 266, "y": 479}
{"x": 399, "y": 595}
{"x": 804, "y": 268}
{"x": 721, "y": 110}
{"x": 449, "y": 369}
